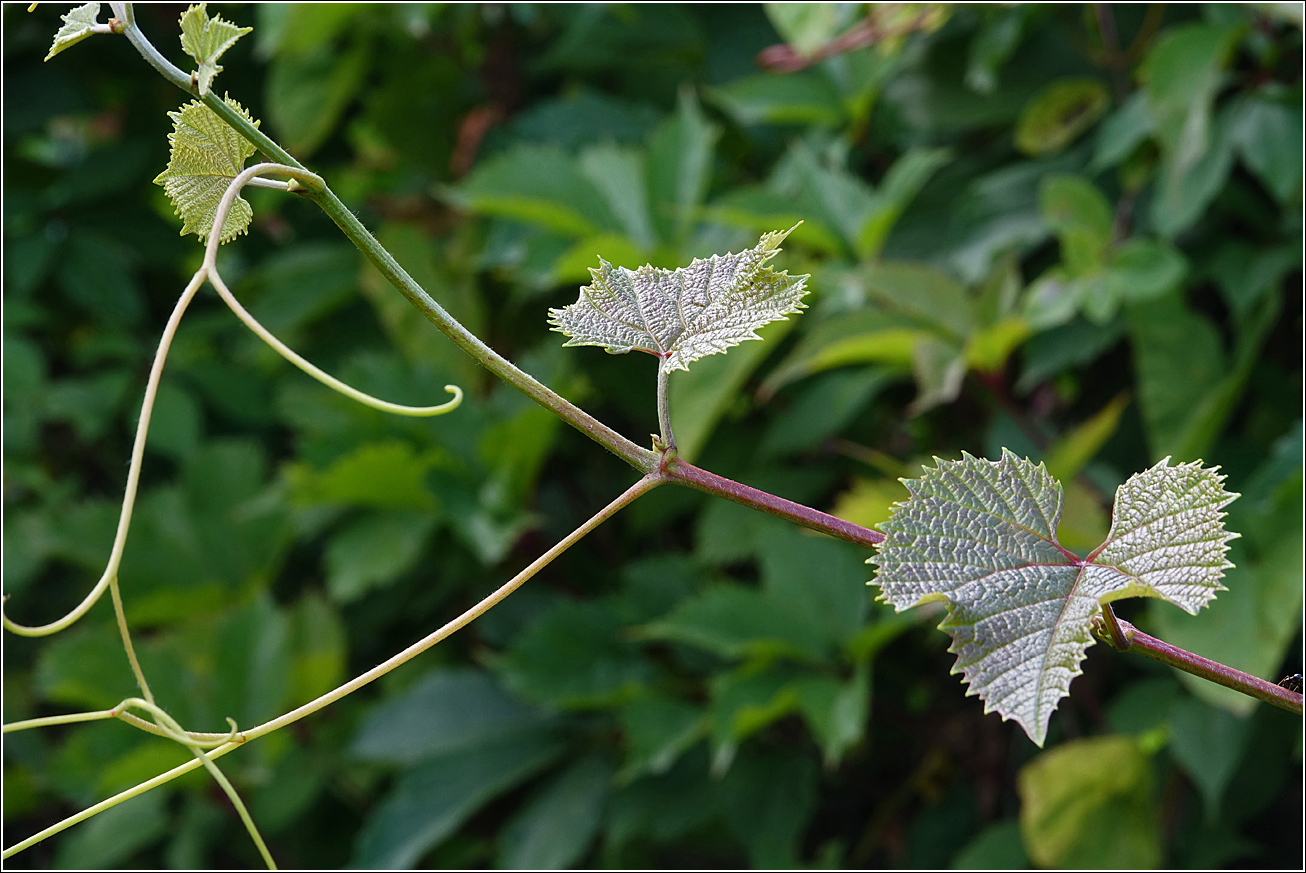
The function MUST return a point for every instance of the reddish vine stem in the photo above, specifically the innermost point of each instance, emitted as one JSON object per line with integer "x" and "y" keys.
{"x": 685, "y": 473}
{"x": 1213, "y": 671}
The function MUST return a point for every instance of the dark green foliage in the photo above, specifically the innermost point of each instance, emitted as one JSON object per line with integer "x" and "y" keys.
{"x": 1010, "y": 221}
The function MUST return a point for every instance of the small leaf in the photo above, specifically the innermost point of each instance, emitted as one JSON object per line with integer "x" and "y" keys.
{"x": 205, "y": 39}
{"x": 685, "y": 314}
{"x": 980, "y": 535}
{"x": 1055, "y": 116}
{"x": 206, "y": 155}
{"x": 78, "y": 24}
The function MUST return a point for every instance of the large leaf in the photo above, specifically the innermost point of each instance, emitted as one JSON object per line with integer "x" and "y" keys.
{"x": 981, "y": 536}
{"x": 1252, "y": 626}
{"x": 537, "y": 184}
{"x": 306, "y": 93}
{"x": 206, "y": 155}
{"x": 1082, "y": 790}
{"x": 684, "y": 314}
{"x": 444, "y": 712}
{"x": 205, "y": 39}
{"x": 554, "y": 829}
{"x": 430, "y": 801}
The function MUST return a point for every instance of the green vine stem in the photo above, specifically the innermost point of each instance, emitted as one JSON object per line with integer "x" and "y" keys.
{"x": 643, "y": 486}
{"x": 52, "y": 720}
{"x": 667, "y": 436}
{"x": 109, "y": 579}
{"x": 210, "y": 268}
{"x": 657, "y": 469}
{"x": 640, "y": 458}
{"x": 197, "y": 748}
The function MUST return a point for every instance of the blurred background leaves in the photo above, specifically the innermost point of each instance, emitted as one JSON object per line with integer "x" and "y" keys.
{"x": 1074, "y": 231}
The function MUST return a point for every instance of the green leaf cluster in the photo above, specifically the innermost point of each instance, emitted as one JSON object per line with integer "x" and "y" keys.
{"x": 694, "y": 684}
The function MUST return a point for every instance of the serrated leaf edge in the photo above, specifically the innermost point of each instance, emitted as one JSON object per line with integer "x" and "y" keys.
{"x": 768, "y": 247}
{"x": 78, "y": 24}
{"x": 240, "y": 207}
{"x": 208, "y": 67}
{"x": 1038, "y": 732}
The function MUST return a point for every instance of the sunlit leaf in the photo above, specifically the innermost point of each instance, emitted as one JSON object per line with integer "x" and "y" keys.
{"x": 684, "y": 314}
{"x": 206, "y": 155}
{"x": 1083, "y": 789}
{"x": 205, "y": 39}
{"x": 980, "y": 536}
{"x": 78, "y": 24}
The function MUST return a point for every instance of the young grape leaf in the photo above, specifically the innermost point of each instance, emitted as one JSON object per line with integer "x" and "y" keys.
{"x": 78, "y": 24}
{"x": 205, "y": 39}
{"x": 981, "y": 536}
{"x": 684, "y": 314}
{"x": 206, "y": 155}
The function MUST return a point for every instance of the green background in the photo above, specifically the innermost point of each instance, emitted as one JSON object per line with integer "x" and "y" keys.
{"x": 1072, "y": 233}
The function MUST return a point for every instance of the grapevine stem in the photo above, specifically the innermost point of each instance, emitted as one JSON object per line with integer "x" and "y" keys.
{"x": 51, "y": 720}
{"x": 684, "y": 473}
{"x": 664, "y": 410}
{"x": 1253, "y": 686}
{"x": 640, "y": 458}
{"x": 210, "y": 267}
{"x": 174, "y": 732}
{"x": 109, "y": 579}
{"x": 1119, "y": 641}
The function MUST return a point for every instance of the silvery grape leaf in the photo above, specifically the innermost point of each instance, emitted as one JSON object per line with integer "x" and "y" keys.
{"x": 205, "y": 39}
{"x": 981, "y": 537}
{"x": 206, "y": 155}
{"x": 684, "y": 314}
{"x": 78, "y": 24}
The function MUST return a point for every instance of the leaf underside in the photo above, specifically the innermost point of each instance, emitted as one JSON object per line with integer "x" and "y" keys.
{"x": 78, "y": 24}
{"x": 206, "y": 155}
{"x": 205, "y": 39}
{"x": 981, "y": 536}
{"x": 684, "y": 314}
